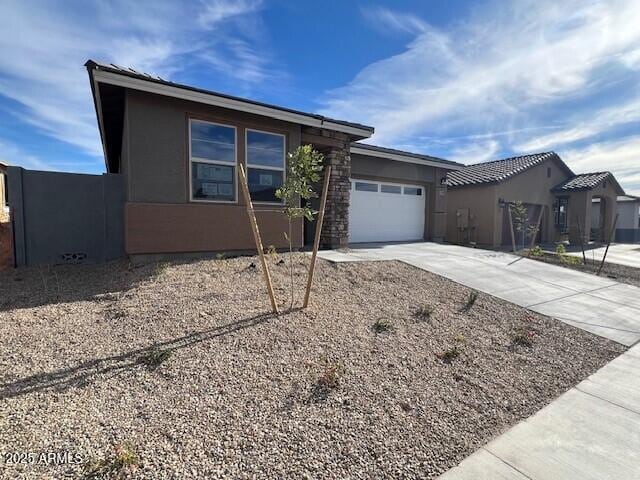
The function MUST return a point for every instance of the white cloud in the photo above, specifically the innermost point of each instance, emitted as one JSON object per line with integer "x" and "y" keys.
{"x": 595, "y": 123}
{"x": 475, "y": 152}
{"x": 621, "y": 157}
{"x": 387, "y": 20}
{"x": 43, "y": 49}
{"x": 14, "y": 155}
{"x": 503, "y": 68}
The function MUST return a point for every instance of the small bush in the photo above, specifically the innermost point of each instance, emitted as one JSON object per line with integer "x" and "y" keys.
{"x": 471, "y": 300}
{"x": 561, "y": 252}
{"x": 157, "y": 357}
{"x": 326, "y": 376}
{"x": 272, "y": 253}
{"x": 161, "y": 267}
{"x": 537, "y": 251}
{"x": 523, "y": 337}
{"x": 460, "y": 338}
{"x": 424, "y": 312}
{"x": 450, "y": 354}
{"x": 221, "y": 256}
{"x": 125, "y": 458}
{"x": 383, "y": 325}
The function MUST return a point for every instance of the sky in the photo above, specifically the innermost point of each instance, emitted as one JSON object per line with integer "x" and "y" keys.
{"x": 469, "y": 81}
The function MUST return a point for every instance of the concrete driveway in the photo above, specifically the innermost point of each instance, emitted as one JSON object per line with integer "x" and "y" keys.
{"x": 598, "y": 305}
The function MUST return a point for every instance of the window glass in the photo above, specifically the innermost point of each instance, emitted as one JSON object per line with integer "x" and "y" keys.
{"x": 390, "y": 189}
{"x": 213, "y": 182}
{"x": 213, "y": 142}
{"x": 264, "y": 183}
{"x": 213, "y": 160}
{"x": 265, "y": 165}
{"x": 265, "y": 149}
{"x": 366, "y": 187}
{"x": 412, "y": 191}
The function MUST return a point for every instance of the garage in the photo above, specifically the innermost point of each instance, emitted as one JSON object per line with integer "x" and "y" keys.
{"x": 386, "y": 212}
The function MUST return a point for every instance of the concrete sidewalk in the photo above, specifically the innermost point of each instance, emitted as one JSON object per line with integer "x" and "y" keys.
{"x": 592, "y": 432}
{"x": 598, "y": 305}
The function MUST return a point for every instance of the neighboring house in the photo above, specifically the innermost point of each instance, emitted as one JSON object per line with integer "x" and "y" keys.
{"x": 479, "y": 195}
{"x": 178, "y": 149}
{"x": 628, "y": 226}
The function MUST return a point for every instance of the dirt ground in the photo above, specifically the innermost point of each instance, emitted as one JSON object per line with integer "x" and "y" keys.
{"x": 176, "y": 371}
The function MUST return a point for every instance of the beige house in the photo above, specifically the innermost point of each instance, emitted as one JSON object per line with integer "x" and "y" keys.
{"x": 479, "y": 198}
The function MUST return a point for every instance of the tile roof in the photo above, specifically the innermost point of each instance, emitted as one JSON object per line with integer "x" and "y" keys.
{"x": 499, "y": 170}
{"x": 419, "y": 156}
{"x": 584, "y": 181}
{"x": 130, "y": 72}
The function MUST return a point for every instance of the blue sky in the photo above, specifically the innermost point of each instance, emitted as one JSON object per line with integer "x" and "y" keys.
{"x": 468, "y": 81}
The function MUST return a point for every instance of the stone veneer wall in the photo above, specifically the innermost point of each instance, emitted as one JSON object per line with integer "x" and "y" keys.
{"x": 335, "y": 230}
{"x": 336, "y": 149}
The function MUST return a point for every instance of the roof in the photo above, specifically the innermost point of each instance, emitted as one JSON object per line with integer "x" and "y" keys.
{"x": 587, "y": 181}
{"x": 500, "y": 170}
{"x": 403, "y": 156}
{"x": 104, "y": 72}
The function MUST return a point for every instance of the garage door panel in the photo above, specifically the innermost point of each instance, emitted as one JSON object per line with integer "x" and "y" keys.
{"x": 378, "y": 216}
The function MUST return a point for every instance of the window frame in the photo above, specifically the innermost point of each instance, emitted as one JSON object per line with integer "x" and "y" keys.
{"x": 262, "y": 167}
{"x": 233, "y": 165}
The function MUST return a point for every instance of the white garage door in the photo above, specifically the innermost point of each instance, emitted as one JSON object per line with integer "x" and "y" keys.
{"x": 385, "y": 212}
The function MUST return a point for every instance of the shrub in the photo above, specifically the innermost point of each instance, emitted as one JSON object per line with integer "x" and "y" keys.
{"x": 424, "y": 312}
{"x": 471, "y": 300}
{"x": 383, "y": 325}
{"x": 450, "y": 354}
{"x": 523, "y": 337}
{"x": 161, "y": 267}
{"x": 125, "y": 458}
{"x": 561, "y": 252}
{"x": 157, "y": 357}
{"x": 537, "y": 251}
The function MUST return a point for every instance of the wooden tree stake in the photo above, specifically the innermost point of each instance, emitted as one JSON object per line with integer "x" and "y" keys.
{"x": 584, "y": 257}
{"x": 537, "y": 230}
{"x": 316, "y": 242}
{"x": 256, "y": 237}
{"x": 606, "y": 250}
{"x": 513, "y": 235}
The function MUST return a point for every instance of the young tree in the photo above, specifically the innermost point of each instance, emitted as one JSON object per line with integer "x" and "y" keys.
{"x": 521, "y": 221}
{"x": 303, "y": 170}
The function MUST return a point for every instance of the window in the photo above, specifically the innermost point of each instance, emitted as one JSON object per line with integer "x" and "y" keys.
{"x": 390, "y": 189}
{"x": 412, "y": 191}
{"x": 366, "y": 187}
{"x": 213, "y": 161}
{"x": 561, "y": 207}
{"x": 265, "y": 164}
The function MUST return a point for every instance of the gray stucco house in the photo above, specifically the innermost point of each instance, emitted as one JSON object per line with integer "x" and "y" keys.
{"x": 178, "y": 149}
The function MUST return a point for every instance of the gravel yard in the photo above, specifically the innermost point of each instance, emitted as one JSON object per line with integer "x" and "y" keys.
{"x": 619, "y": 273}
{"x": 174, "y": 371}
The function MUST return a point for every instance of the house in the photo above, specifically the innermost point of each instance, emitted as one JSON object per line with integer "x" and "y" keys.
{"x": 178, "y": 149}
{"x": 479, "y": 196}
{"x": 628, "y": 226}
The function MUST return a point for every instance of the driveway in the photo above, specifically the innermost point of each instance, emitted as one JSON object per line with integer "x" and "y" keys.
{"x": 592, "y": 432}
{"x": 598, "y": 305}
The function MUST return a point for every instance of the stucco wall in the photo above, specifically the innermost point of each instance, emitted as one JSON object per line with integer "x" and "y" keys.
{"x": 156, "y": 165}
{"x": 482, "y": 203}
{"x": 532, "y": 186}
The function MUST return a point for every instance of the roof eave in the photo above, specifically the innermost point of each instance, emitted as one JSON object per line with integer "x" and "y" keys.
{"x": 151, "y": 85}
